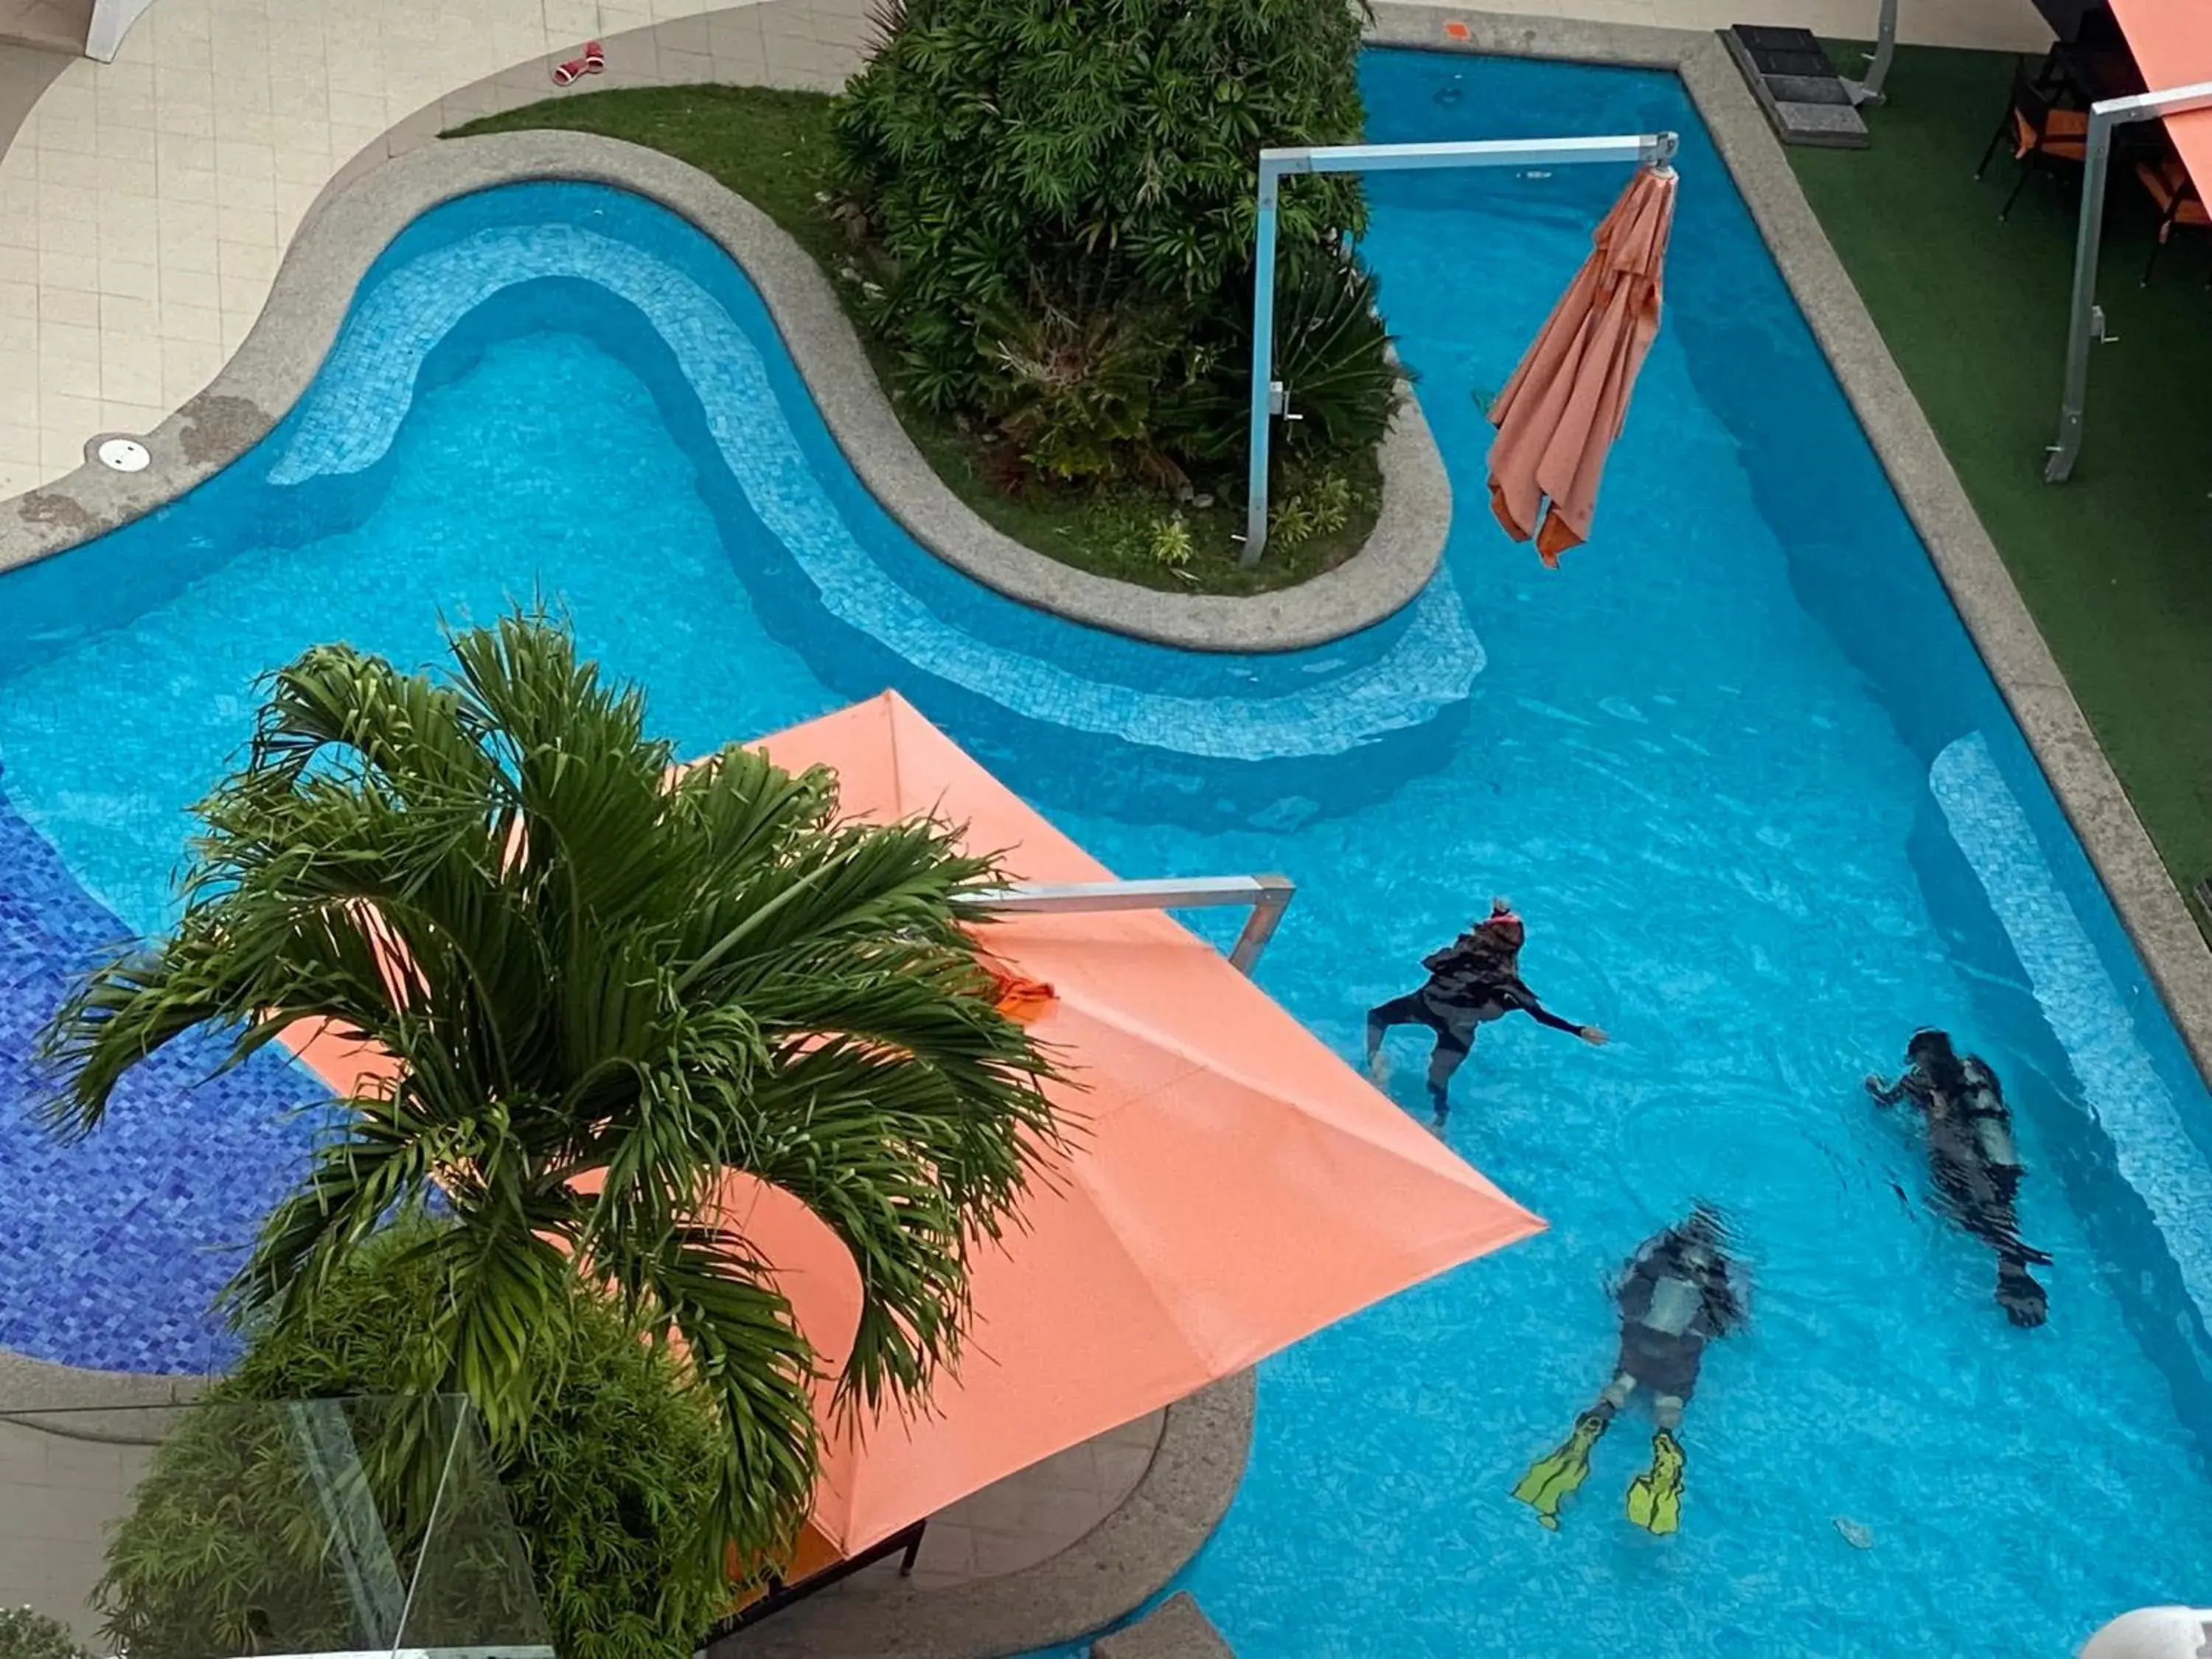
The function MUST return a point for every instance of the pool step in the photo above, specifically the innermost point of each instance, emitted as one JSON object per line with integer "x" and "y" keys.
{"x": 1789, "y": 73}
{"x": 1174, "y": 1630}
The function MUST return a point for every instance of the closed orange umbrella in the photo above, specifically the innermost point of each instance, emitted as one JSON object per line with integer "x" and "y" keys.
{"x": 1566, "y": 404}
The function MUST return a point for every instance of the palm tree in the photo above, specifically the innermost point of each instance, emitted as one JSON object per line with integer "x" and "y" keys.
{"x": 595, "y": 975}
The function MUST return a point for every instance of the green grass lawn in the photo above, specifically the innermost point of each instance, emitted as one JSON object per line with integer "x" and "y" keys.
{"x": 2117, "y": 565}
{"x": 773, "y": 148}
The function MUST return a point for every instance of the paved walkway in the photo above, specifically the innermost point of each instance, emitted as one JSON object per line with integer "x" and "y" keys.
{"x": 144, "y": 205}
{"x": 60, "y": 1493}
{"x": 1033, "y": 1516}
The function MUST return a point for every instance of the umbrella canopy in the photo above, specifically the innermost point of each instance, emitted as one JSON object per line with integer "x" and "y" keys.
{"x": 1233, "y": 1186}
{"x": 2172, "y": 40}
{"x": 1560, "y": 412}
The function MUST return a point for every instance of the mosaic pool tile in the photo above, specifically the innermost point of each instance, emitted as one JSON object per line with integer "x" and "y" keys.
{"x": 114, "y": 1248}
{"x": 362, "y": 398}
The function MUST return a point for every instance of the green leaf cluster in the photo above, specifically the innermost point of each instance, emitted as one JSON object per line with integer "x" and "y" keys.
{"x": 226, "y": 1548}
{"x": 1060, "y": 198}
{"x": 27, "y": 1634}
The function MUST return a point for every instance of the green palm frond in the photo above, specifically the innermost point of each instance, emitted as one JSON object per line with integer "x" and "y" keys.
{"x": 605, "y": 986}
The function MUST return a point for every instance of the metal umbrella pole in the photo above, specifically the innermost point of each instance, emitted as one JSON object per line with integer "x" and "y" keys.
{"x": 2085, "y": 318}
{"x": 1269, "y": 398}
{"x": 1869, "y": 91}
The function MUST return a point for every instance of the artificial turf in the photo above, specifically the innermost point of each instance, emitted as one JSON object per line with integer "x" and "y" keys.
{"x": 2116, "y": 564}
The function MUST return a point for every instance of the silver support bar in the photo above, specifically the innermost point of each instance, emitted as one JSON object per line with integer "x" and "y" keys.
{"x": 1268, "y": 896}
{"x": 2085, "y": 318}
{"x": 1869, "y": 91}
{"x": 1269, "y": 398}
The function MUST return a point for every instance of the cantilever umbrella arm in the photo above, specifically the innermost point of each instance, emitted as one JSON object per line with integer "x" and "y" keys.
{"x": 1269, "y": 396}
{"x": 2086, "y": 322}
{"x": 1267, "y": 895}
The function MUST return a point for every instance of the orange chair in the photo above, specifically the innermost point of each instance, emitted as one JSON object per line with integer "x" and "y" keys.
{"x": 2044, "y": 135}
{"x": 2178, "y": 201}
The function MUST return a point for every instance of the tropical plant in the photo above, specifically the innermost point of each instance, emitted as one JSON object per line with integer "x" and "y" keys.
{"x": 1332, "y": 353}
{"x": 27, "y": 1634}
{"x": 1073, "y": 393}
{"x": 603, "y": 1485}
{"x": 1004, "y": 154}
{"x": 604, "y": 986}
{"x": 1168, "y": 542}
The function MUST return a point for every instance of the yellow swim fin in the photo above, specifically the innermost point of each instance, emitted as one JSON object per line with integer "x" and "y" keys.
{"x": 1551, "y": 1480}
{"x": 1655, "y": 1497}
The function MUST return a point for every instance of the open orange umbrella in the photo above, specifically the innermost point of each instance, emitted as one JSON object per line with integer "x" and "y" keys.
{"x": 1233, "y": 1187}
{"x": 1565, "y": 405}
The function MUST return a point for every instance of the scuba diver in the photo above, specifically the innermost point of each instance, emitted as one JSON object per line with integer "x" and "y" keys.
{"x": 1472, "y": 982}
{"x": 1677, "y": 1293}
{"x": 1971, "y": 1159}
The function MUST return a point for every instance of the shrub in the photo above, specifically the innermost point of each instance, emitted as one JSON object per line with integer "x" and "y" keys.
{"x": 605, "y": 1485}
{"x": 27, "y": 1634}
{"x": 1073, "y": 393}
{"x": 1010, "y": 157}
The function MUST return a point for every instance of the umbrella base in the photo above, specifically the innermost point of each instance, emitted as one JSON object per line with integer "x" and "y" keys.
{"x": 1806, "y": 101}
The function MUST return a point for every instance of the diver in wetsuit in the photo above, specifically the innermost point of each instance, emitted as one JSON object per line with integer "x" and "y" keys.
{"x": 1472, "y": 982}
{"x": 1677, "y": 1293}
{"x": 1971, "y": 1159}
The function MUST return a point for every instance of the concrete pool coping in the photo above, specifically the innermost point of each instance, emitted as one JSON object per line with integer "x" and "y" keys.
{"x": 354, "y": 223}
{"x": 1124, "y": 1561}
{"x": 1966, "y": 558}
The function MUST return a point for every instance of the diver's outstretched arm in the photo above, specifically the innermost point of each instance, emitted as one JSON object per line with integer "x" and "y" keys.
{"x": 1543, "y": 1015}
{"x": 1888, "y": 1094}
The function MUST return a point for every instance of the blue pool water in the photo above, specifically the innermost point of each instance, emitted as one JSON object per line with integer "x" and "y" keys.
{"x": 1737, "y": 762}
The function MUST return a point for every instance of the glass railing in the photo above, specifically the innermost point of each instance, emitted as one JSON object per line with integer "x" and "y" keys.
{"x": 242, "y": 1531}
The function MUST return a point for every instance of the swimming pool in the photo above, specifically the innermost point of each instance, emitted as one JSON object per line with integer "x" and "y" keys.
{"x": 1737, "y": 762}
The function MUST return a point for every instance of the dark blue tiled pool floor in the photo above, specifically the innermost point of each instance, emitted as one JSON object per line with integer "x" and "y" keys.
{"x": 113, "y": 1249}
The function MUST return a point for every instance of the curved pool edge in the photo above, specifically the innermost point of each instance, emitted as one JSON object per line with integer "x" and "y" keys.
{"x": 30, "y": 1384}
{"x": 1109, "y": 1573}
{"x": 316, "y": 284}
{"x": 1997, "y": 619}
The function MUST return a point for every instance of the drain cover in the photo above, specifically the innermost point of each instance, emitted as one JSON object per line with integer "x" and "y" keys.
{"x": 123, "y": 454}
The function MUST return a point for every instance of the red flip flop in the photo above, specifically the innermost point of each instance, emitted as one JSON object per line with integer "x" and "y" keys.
{"x": 593, "y": 61}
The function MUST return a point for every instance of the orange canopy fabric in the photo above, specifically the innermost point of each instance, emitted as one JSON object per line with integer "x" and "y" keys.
{"x": 1234, "y": 1185}
{"x": 1560, "y": 412}
{"x": 2172, "y": 40}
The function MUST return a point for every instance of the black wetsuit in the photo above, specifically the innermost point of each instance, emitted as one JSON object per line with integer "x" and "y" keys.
{"x": 1676, "y": 1295}
{"x": 1472, "y": 982}
{"x": 1974, "y": 1165}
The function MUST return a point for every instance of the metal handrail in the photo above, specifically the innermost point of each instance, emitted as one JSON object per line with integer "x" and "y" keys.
{"x": 2085, "y": 318}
